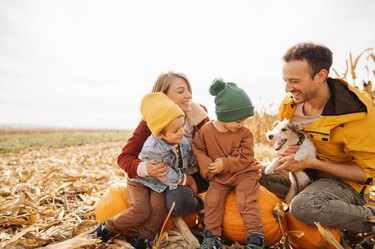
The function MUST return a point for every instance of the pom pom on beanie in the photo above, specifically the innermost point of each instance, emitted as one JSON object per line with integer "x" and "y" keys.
{"x": 231, "y": 102}
{"x": 216, "y": 86}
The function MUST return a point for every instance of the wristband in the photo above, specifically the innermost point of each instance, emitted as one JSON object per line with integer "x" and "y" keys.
{"x": 142, "y": 169}
{"x": 184, "y": 182}
{"x": 179, "y": 180}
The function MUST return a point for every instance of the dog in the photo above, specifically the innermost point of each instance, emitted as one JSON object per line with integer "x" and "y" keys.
{"x": 285, "y": 133}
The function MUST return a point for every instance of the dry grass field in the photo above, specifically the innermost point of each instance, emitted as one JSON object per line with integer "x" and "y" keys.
{"x": 13, "y": 140}
{"x": 48, "y": 192}
{"x": 51, "y": 192}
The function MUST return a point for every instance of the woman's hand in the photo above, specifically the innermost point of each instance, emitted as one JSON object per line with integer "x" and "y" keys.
{"x": 156, "y": 169}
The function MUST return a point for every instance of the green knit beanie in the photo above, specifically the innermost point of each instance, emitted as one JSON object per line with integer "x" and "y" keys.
{"x": 231, "y": 102}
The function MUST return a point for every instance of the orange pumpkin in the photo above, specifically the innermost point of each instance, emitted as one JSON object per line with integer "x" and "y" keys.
{"x": 115, "y": 200}
{"x": 312, "y": 238}
{"x": 234, "y": 228}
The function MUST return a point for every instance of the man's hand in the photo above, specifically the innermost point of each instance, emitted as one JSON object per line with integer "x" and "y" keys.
{"x": 217, "y": 166}
{"x": 289, "y": 164}
{"x": 156, "y": 169}
{"x": 292, "y": 149}
{"x": 286, "y": 160}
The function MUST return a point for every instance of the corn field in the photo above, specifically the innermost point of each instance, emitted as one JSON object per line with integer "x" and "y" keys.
{"x": 350, "y": 72}
{"x": 48, "y": 195}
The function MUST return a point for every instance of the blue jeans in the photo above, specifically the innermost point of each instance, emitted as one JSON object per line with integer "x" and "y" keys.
{"x": 328, "y": 201}
{"x": 332, "y": 203}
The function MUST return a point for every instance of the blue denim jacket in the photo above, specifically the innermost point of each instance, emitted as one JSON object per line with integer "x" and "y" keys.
{"x": 157, "y": 149}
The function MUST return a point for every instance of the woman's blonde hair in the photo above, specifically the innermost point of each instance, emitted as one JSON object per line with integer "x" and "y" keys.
{"x": 165, "y": 79}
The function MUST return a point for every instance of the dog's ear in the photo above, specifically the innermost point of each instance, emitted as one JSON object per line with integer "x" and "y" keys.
{"x": 295, "y": 126}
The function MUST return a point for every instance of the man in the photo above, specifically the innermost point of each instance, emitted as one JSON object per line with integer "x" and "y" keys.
{"x": 340, "y": 120}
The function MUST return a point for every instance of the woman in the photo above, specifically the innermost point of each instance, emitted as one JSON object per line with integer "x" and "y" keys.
{"x": 177, "y": 87}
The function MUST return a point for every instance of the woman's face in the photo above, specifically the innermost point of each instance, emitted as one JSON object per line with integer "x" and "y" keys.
{"x": 179, "y": 92}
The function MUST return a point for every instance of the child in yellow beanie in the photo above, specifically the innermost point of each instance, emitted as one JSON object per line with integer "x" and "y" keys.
{"x": 225, "y": 153}
{"x": 166, "y": 144}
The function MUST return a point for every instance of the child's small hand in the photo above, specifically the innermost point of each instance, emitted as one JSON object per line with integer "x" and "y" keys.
{"x": 217, "y": 166}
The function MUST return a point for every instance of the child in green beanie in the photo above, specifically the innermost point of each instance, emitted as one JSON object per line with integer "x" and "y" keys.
{"x": 225, "y": 153}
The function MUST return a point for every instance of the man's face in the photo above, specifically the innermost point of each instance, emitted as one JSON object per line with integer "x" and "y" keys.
{"x": 298, "y": 81}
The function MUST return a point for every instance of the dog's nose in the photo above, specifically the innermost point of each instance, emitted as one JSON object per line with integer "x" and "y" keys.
{"x": 270, "y": 136}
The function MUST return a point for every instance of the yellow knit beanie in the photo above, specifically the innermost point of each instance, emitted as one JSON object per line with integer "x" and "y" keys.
{"x": 158, "y": 110}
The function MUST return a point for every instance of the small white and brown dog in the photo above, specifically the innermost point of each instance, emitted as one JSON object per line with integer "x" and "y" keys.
{"x": 285, "y": 133}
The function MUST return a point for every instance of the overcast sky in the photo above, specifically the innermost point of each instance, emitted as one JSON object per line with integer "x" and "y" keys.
{"x": 88, "y": 63}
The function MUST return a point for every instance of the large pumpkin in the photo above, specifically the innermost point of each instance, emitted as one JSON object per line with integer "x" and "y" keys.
{"x": 234, "y": 228}
{"x": 312, "y": 238}
{"x": 115, "y": 200}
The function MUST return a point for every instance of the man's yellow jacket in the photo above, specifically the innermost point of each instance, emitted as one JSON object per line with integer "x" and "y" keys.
{"x": 345, "y": 131}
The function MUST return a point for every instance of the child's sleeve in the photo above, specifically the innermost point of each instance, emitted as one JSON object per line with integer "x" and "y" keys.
{"x": 151, "y": 151}
{"x": 242, "y": 157}
{"x": 200, "y": 151}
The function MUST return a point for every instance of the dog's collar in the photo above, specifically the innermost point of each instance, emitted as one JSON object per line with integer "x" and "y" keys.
{"x": 301, "y": 139}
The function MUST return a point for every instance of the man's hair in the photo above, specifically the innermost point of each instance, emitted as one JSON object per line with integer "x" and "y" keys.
{"x": 316, "y": 55}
